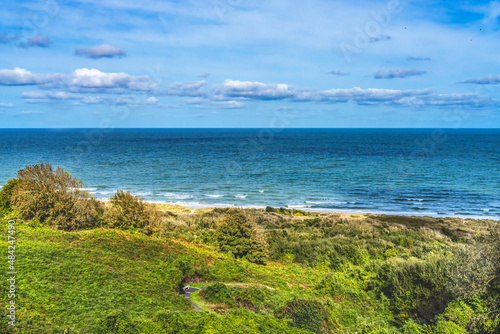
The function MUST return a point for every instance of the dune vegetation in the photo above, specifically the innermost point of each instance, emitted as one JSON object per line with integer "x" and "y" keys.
{"x": 86, "y": 266}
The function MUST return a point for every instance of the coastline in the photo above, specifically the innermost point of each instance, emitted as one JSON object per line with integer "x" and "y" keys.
{"x": 194, "y": 206}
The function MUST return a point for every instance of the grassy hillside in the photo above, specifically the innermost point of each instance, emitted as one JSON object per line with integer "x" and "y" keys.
{"x": 89, "y": 281}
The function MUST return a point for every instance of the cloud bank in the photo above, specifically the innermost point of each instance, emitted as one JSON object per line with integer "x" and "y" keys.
{"x": 85, "y": 79}
{"x": 20, "y": 76}
{"x": 398, "y": 73}
{"x": 100, "y": 51}
{"x": 488, "y": 80}
{"x": 37, "y": 40}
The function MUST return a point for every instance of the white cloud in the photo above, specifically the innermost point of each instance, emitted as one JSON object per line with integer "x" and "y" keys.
{"x": 232, "y": 89}
{"x": 188, "y": 88}
{"x": 132, "y": 102}
{"x": 20, "y": 76}
{"x": 6, "y": 105}
{"x": 338, "y": 72}
{"x": 206, "y": 103}
{"x": 398, "y": 73}
{"x": 95, "y": 80}
{"x": 100, "y": 51}
{"x": 47, "y": 96}
{"x": 364, "y": 96}
{"x": 488, "y": 80}
{"x": 37, "y": 40}
{"x": 91, "y": 99}
{"x": 151, "y": 100}
{"x": 254, "y": 89}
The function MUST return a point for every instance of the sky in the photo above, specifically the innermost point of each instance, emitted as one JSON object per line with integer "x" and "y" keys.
{"x": 242, "y": 63}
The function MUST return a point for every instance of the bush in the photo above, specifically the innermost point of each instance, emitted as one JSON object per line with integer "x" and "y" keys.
{"x": 54, "y": 198}
{"x": 418, "y": 287}
{"x": 129, "y": 211}
{"x": 170, "y": 322}
{"x": 118, "y": 322}
{"x": 6, "y": 195}
{"x": 218, "y": 293}
{"x": 238, "y": 235}
{"x": 472, "y": 269}
{"x": 473, "y": 318}
{"x": 228, "y": 270}
{"x": 304, "y": 314}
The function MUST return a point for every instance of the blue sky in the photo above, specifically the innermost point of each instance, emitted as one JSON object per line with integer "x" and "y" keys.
{"x": 241, "y": 63}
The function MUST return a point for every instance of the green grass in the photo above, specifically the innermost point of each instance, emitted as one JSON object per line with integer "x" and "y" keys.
{"x": 64, "y": 275}
{"x": 81, "y": 281}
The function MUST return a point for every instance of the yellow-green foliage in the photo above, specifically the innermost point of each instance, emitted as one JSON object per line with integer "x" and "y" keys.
{"x": 129, "y": 211}
{"x": 6, "y": 195}
{"x": 53, "y": 197}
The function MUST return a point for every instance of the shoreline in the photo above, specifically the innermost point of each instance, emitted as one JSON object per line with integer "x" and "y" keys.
{"x": 192, "y": 206}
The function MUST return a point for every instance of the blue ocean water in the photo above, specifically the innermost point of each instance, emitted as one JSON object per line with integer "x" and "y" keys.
{"x": 451, "y": 172}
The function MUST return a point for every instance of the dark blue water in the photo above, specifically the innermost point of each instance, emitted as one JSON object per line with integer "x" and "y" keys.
{"x": 404, "y": 171}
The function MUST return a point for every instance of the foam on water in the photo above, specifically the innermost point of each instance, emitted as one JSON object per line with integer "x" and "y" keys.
{"x": 177, "y": 196}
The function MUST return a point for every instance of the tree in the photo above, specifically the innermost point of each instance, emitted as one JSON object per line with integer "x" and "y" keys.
{"x": 55, "y": 198}
{"x": 236, "y": 234}
{"x": 129, "y": 211}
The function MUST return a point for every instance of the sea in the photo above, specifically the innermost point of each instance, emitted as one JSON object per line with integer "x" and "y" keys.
{"x": 422, "y": 172}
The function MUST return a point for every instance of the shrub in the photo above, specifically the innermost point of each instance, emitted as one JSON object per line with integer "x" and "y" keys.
{"x": 129, "y": 211}
{"x": 418, "y": 287}
{"x": 6, "y": 195}
{"x": 304, "y": 314}
{"x": 118, "y": 322}
{"x": 250, "y": 298}
{"x": 411, "y": 327}
{"x": 228, "y": 270}
{"x": 170, "y": 322}
{"x": 474, "y": 318}
{"x": 448, "y": 327}
{"x": 54, "y": 198}
{"x": 236, "y": 234}
{"x": 218, "y": 293}
{"x": 472, "y": 269}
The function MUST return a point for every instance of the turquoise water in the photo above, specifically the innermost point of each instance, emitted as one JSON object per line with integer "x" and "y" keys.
{"x": 400, "y": 171}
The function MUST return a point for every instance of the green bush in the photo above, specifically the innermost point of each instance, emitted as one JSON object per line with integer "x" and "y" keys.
{"x": 236, "y": 234}
{"x": 218, "y": 293}
{"x": 411, "y": 327}
{"x": 449, "y": 327}
{"x": 241, "y": 320}
{"x": 304, "y": 314}
{"x": 474, "y": 317}
{"x": 251, "y": 298}
{"x": 418, "y": 288}
{"x": 228, "y": 270}
{"x": 118, "y": 322}
{"x": 54, "y": 198}
{"x": 6, "y": 195}
{"x": 170, "y": 322}
{"x": 129, "y": 211}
